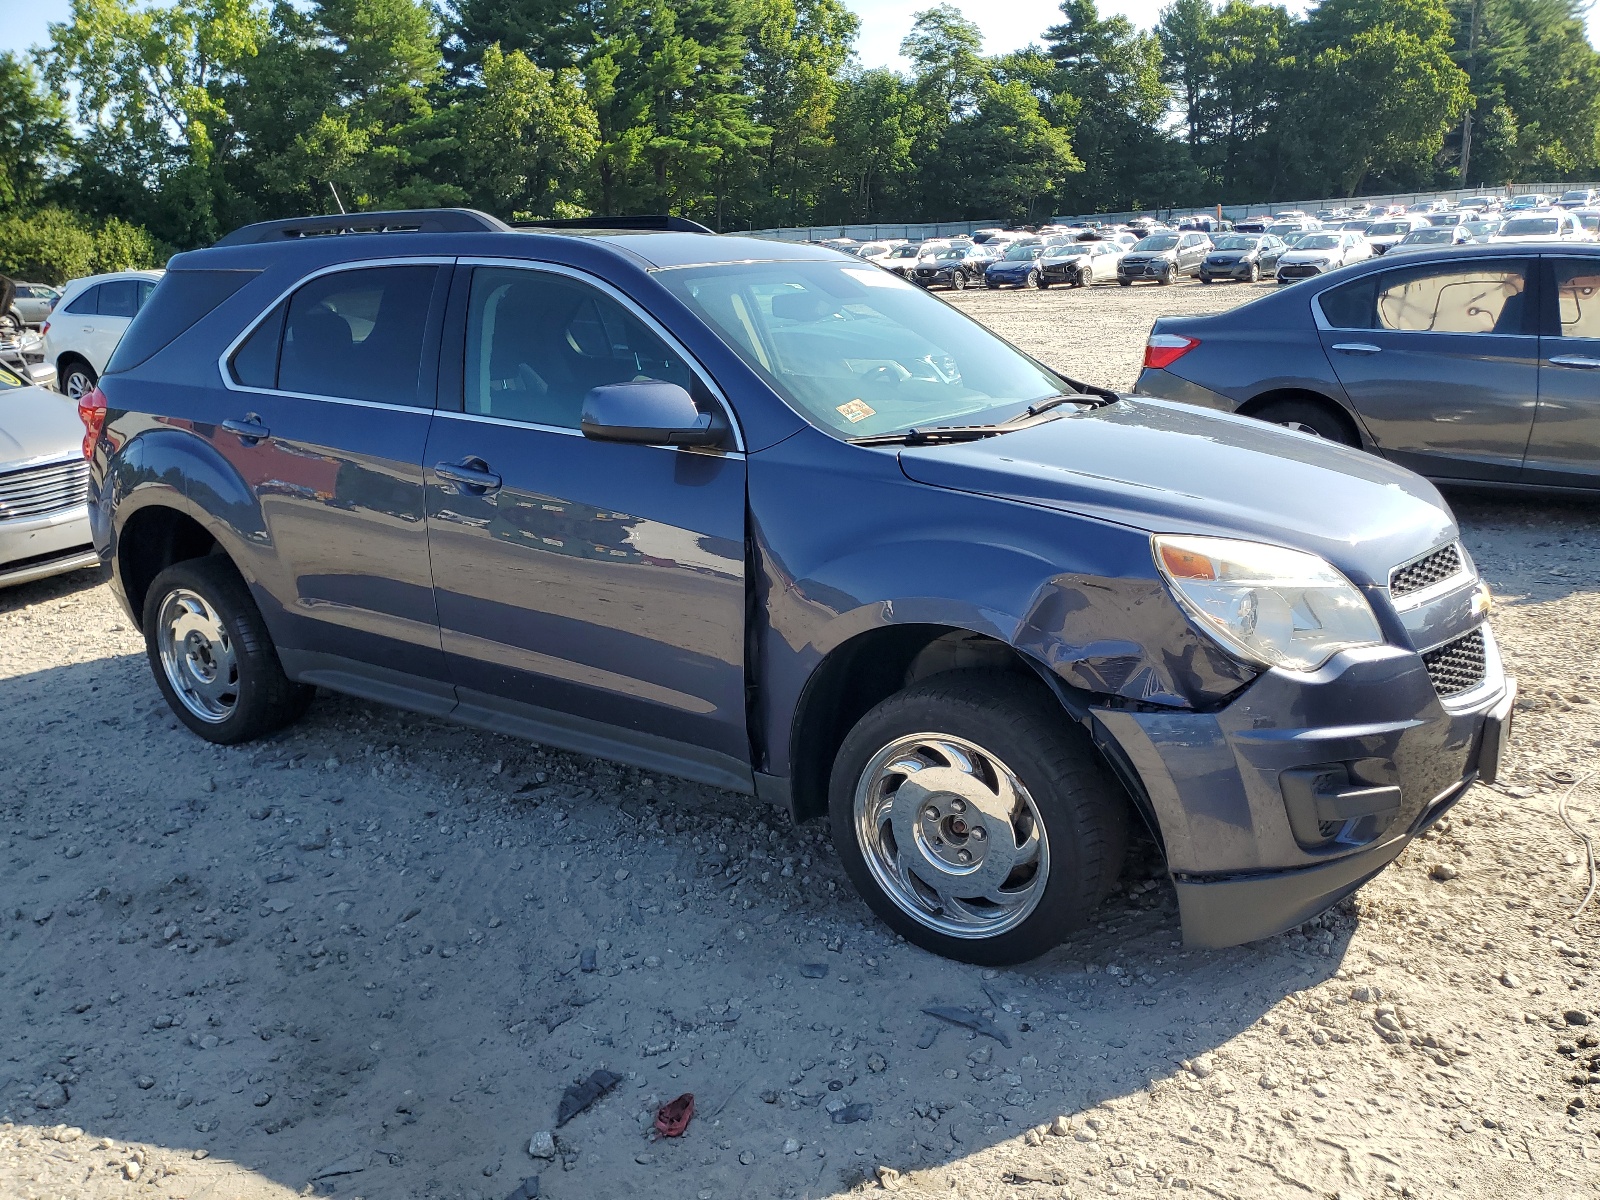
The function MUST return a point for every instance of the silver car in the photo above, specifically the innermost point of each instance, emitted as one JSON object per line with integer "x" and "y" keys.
{"x": 35, "y": 300}
{"x": 44, "y": 484}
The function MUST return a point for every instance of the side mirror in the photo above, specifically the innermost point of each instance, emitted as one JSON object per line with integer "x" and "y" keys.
{"x": 649, "y": 412}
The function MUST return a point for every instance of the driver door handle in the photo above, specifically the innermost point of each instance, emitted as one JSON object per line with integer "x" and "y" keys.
{"x": 473, "y": 474}
{"x": 1357, "y": 348}
{"x": 1575, "y": 360}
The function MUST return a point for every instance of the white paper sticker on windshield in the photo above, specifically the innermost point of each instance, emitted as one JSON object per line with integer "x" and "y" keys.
{"x": 875, "y": 277}
{"x": 856, "y": 410}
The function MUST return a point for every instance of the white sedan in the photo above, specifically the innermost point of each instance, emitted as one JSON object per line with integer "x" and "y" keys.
{"x": 1317, "y": 253}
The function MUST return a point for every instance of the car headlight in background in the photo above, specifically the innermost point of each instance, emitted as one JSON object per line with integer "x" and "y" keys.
{"x": 1269, "y": 604}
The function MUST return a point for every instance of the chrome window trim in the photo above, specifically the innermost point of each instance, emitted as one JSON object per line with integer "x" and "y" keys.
{"x": 627, "y": 302}
{"x": 225, "y": 366}
{"x": 1322, "y": 323}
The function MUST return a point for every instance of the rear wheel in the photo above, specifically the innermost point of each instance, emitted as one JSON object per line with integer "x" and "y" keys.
{"x": 212, "y": 656}
{"x": 77, "y": 379}
{"x": 1308, "y": 416}
{"x": 975, "y": 819}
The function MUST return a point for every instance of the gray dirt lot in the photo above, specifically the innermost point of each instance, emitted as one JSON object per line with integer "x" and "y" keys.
{"x": 352, "y": 960}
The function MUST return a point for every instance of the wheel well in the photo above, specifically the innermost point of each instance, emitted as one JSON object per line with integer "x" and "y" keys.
{"x": 70, "y": 356}
{"x": 1256, "y": 403}
{"x": 152, "y": 540}
{"x": 862, "y": 672}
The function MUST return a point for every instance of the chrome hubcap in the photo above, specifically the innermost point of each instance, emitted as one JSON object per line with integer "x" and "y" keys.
{"x": 951, "y": 835}
{"x": 198, "y": 657}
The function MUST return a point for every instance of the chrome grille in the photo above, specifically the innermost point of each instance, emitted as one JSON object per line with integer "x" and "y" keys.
{"x": 1426, "y": 571}
{"x": 42, "y": 490}
{"x": 1456, "y": 666}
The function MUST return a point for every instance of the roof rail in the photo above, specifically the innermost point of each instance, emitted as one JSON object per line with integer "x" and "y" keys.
{"x": 657, "y": 221}
{"x": 422, "y": 220}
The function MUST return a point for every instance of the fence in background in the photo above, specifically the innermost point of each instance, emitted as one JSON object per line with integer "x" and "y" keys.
{"x": 920, "y": 231}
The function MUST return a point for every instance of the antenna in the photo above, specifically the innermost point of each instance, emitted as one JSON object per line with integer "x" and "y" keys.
{"x": 336, "y": 199}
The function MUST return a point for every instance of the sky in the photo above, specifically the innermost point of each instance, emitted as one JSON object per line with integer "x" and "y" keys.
{"x": 1006, "y": 24}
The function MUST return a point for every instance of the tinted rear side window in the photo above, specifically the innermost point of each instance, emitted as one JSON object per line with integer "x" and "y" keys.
{"x": 255, "y": 363}
{"x": 119, "y": 298}
{"x": 177, "y": 302}
{"x": 1350, "y": 306}
{"x": 358, "y": 335}
{"x": 86, "y": 303}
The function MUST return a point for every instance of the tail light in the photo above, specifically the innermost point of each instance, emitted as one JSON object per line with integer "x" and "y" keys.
{"x": 44, "y": 329}
{"x": 1164, "y": 349}
{"x": 92, "y": 412}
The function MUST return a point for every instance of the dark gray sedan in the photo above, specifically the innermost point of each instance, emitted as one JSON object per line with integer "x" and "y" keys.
{"x": 1474, "y": 364}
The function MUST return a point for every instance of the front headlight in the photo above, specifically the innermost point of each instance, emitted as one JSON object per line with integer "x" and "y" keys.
{"x": 1269, "y": 604}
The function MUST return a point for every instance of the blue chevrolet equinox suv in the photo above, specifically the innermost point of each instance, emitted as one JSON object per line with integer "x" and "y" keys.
{"x": 770, "y": 518}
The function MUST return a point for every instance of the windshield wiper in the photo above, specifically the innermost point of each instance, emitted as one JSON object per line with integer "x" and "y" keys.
{"x": 928, "y": 435}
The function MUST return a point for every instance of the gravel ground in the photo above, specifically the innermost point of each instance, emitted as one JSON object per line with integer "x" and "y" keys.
{"x": 365, "y": 958}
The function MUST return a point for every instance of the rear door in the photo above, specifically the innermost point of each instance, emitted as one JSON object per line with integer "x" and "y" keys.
{"x": 591, "y": 594}
{"x": 326, "y": 415}
{"x": 1564, "y": 449}
{"x": 1441, "y": 361}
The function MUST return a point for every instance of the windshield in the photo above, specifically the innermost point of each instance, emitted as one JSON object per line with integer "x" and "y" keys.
{"x": 1530, "y": 226}
{"x": 858, "y": 351}
{"x": 1319, "y": 241}
{"x": 1580, "y": 194}
{"x": 1388, "y": 228}
{"x": 1285, "y": 228}
{"x": 1236, "y": 243}
{"x": 953, "y": 253}
{"x": 1428, "y": 237}
{"x": 904, "y": 252}
{"x": 1019, "y": 252}
{"x": 1158, "y": 241}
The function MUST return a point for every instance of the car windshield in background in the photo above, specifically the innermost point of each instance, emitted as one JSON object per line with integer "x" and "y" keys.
{"x": 1236, "y": 243}
{"x": 1428, "y": 237}
{"x": 906, "y": 252}
{"x": 952, "y": 254}
{"x": 1319, "y": 241}
{"x": 858, "y": 351}
{"x": 1388, "y": 228}
{"x": 1481, "y": 228}
{"x": 1530, "y": 226}
{"x": 1022, "y": 251}
{"x": 1157, "y": 242}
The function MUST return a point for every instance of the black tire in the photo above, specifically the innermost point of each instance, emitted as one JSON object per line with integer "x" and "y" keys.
{"x": 1125, "y": 282}
{"x": 991, "y": 285}
{"x": 1255, "y": 272}
{"x": 1170, "y": 275}
{"x": 1032, "y": 281}
{"x": 1204, "y": 278}
{"x": 11, "y": 323}
{"x": 1309, "y": 416}
{"x": 77, "y": 378}
{"x": 1015, "y": 720}
{"x": 264, "y": 698}
{"x": 958, "y": 281}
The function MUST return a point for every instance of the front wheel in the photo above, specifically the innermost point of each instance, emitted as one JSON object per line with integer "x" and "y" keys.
{"x": 1125, "y": 283}
{"x": 1170, "y": 275}
{"x": 212, "y": 656}
{"x": 991, "y": 285}
{"x": 1255, "y": 272}
{"x": 1204, "y": 278}
{"x": 1033, "y": 280}
{"x": 958, "y": 281}
{"x": 975, "y": 819}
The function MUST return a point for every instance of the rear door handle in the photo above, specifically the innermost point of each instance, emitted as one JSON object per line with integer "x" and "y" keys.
{"x": 249, "y": 431}
{"x": 1357, "y": 348}
{"x": 473, "y": 474}
{"x": 1575, "y": 360}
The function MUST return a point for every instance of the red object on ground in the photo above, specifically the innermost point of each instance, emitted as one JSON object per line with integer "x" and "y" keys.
{"x": 672, "y": 1118}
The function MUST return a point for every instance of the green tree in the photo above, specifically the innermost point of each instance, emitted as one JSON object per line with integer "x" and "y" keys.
{"x": 874, "y": 125}
{"x": 1185, "y": 36}
{"x": 527, "y": 139}
{"x": 52, "y": 245}
{"x": 1006, "y": 160}
{"x": 33, "y": 134}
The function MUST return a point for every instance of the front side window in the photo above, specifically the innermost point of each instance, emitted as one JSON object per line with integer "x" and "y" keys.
{"x": 1578, "y": 296}
{"x": 357, "y": 335}
{"x": 858, "y": 351}
{"x": 538, "y": 342}
{"x": 1478, "y": 297}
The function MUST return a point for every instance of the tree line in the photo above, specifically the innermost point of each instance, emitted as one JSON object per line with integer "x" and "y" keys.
{"x": 178, "y": 120}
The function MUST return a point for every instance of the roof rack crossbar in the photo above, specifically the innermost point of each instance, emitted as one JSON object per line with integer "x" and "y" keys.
{"x": 422, "y": 220}
{"x": 659, "y": 222}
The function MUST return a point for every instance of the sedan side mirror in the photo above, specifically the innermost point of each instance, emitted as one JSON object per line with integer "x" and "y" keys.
{"x": 649, "y": 412}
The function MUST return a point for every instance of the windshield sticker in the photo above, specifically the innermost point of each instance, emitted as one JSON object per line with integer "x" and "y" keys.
{"x": 856, "y": 410}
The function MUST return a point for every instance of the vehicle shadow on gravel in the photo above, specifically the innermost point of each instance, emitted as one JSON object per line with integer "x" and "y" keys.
{"x": 367, "y": 957}
{"x": 55, "y": 587}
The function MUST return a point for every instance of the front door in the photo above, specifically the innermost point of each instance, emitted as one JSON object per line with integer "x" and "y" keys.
{"x": 1564, "y": 450}
{"x": 1441, "y": 362}
{"x": 326, "y": 417}
{"x": 590, "y": 594}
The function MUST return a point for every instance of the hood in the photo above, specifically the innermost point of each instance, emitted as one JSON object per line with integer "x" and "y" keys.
{"x": 37, "y": 424}
{"x": 1307, "y": 256}
{"x": 1170, "y": 468}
